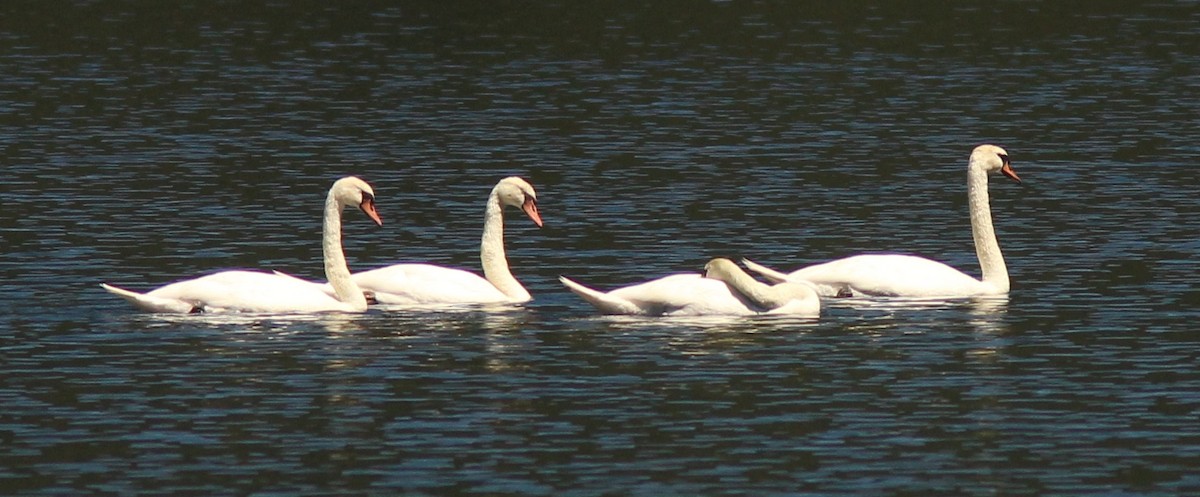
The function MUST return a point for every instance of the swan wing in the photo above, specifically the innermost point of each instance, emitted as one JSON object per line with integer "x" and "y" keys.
{"x": 427, "y": 284}
{"x": 893, "y": 275}
{"x": 301, "y": 280}
{"x": 771, "y": 275}
{"x": 683, "y": 295}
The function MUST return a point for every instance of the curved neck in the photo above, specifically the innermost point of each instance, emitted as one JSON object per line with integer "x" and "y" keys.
{"x": 491, "y": 252}
{"x": 761, "y": 294}
{"x": 991, "y": 261}
{"x": 336, "y": 270}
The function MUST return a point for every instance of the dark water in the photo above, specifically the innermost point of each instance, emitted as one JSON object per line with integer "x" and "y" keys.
{"x": 151, "y": 141}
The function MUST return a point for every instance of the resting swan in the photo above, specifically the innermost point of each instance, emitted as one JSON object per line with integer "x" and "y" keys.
{"x": 910, "y": 276}
{"x": 252, "y": 291}
{"x": 429, "y": 284}
{"x": 724, "y": 290}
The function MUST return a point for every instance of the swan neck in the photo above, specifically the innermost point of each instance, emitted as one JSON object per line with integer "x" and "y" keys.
{"x": 336, "y": 270}
{"x": 761, "y": 294}
{"x": 491, "y": 252}
{"x": 991, "y": 261}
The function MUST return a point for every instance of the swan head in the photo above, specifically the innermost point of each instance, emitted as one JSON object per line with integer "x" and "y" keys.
{"x": 992, "y": 158}
{"x": 721, "y": 269}
{"x": 353, "y": 191}
{"x": 516, "y": 192}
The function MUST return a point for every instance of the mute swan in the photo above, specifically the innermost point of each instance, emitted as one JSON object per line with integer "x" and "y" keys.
{"x": 911, "y": 276}
{"x": 429, "y": 284}
{"x": 724, "y": 290}
{"x": 252, "y": 291}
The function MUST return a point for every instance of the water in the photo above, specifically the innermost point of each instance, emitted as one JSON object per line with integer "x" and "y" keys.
{"x": 144, "y": 143}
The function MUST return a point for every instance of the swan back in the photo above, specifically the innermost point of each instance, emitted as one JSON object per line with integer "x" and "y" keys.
{"x": 674, "y": 295}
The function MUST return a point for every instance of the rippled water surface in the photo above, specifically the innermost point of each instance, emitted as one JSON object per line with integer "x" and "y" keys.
{"x": 148, "y": 142}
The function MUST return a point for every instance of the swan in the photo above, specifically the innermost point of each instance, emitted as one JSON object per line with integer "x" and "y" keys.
{"x": 430, "y": 284}
{"x": 724, "y": 290}
{"x": 898, "y": 275}
{"x": 253, "y": 291}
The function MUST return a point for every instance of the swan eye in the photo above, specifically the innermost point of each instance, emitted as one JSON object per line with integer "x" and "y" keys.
{"x": 1003, "y": 158}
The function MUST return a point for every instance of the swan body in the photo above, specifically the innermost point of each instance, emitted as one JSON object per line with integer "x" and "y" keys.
{"x": 700, "y": 295}
{"x": 253, "y": 291}
{"x": 430, "y": 284}
{"x": 232, "y": 291}
{"x": 674, "y": 295}
{"x": 882, "y": 275}
{"x": 897, "y": 275}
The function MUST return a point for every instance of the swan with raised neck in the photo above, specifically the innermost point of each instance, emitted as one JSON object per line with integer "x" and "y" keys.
{"x": 411, "y": 283}
{"x": 901, "y": 275}
{"x": 253, "y": 291}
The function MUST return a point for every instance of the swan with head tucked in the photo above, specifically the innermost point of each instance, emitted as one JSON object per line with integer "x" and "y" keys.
{"x": 724, "y": 290}
{"x": 252, "y": 291}
{"x": 899, "y": 275}
{"x": 430, "y": 284}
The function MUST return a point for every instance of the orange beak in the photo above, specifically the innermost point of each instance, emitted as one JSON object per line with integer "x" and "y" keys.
{"x": 530, "y": 208}
{"x": 368, "y": 208}
{"x": 1007, "y": 170}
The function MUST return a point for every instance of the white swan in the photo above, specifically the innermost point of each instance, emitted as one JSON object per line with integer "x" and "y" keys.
{"x": 724, "y": 290}
{"x": 910, "y": 276}
{"x": 429, "y": 284}
{"x": 252, "y": 291}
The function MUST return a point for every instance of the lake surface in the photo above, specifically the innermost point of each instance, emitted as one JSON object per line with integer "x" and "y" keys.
{"x": 144, "y": 143}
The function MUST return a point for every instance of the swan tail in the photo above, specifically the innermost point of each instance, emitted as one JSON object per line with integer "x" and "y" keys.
{"x": 770, "y": 274}
{"x": 152, "y": 304}
{"x": 604, "y": 302}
